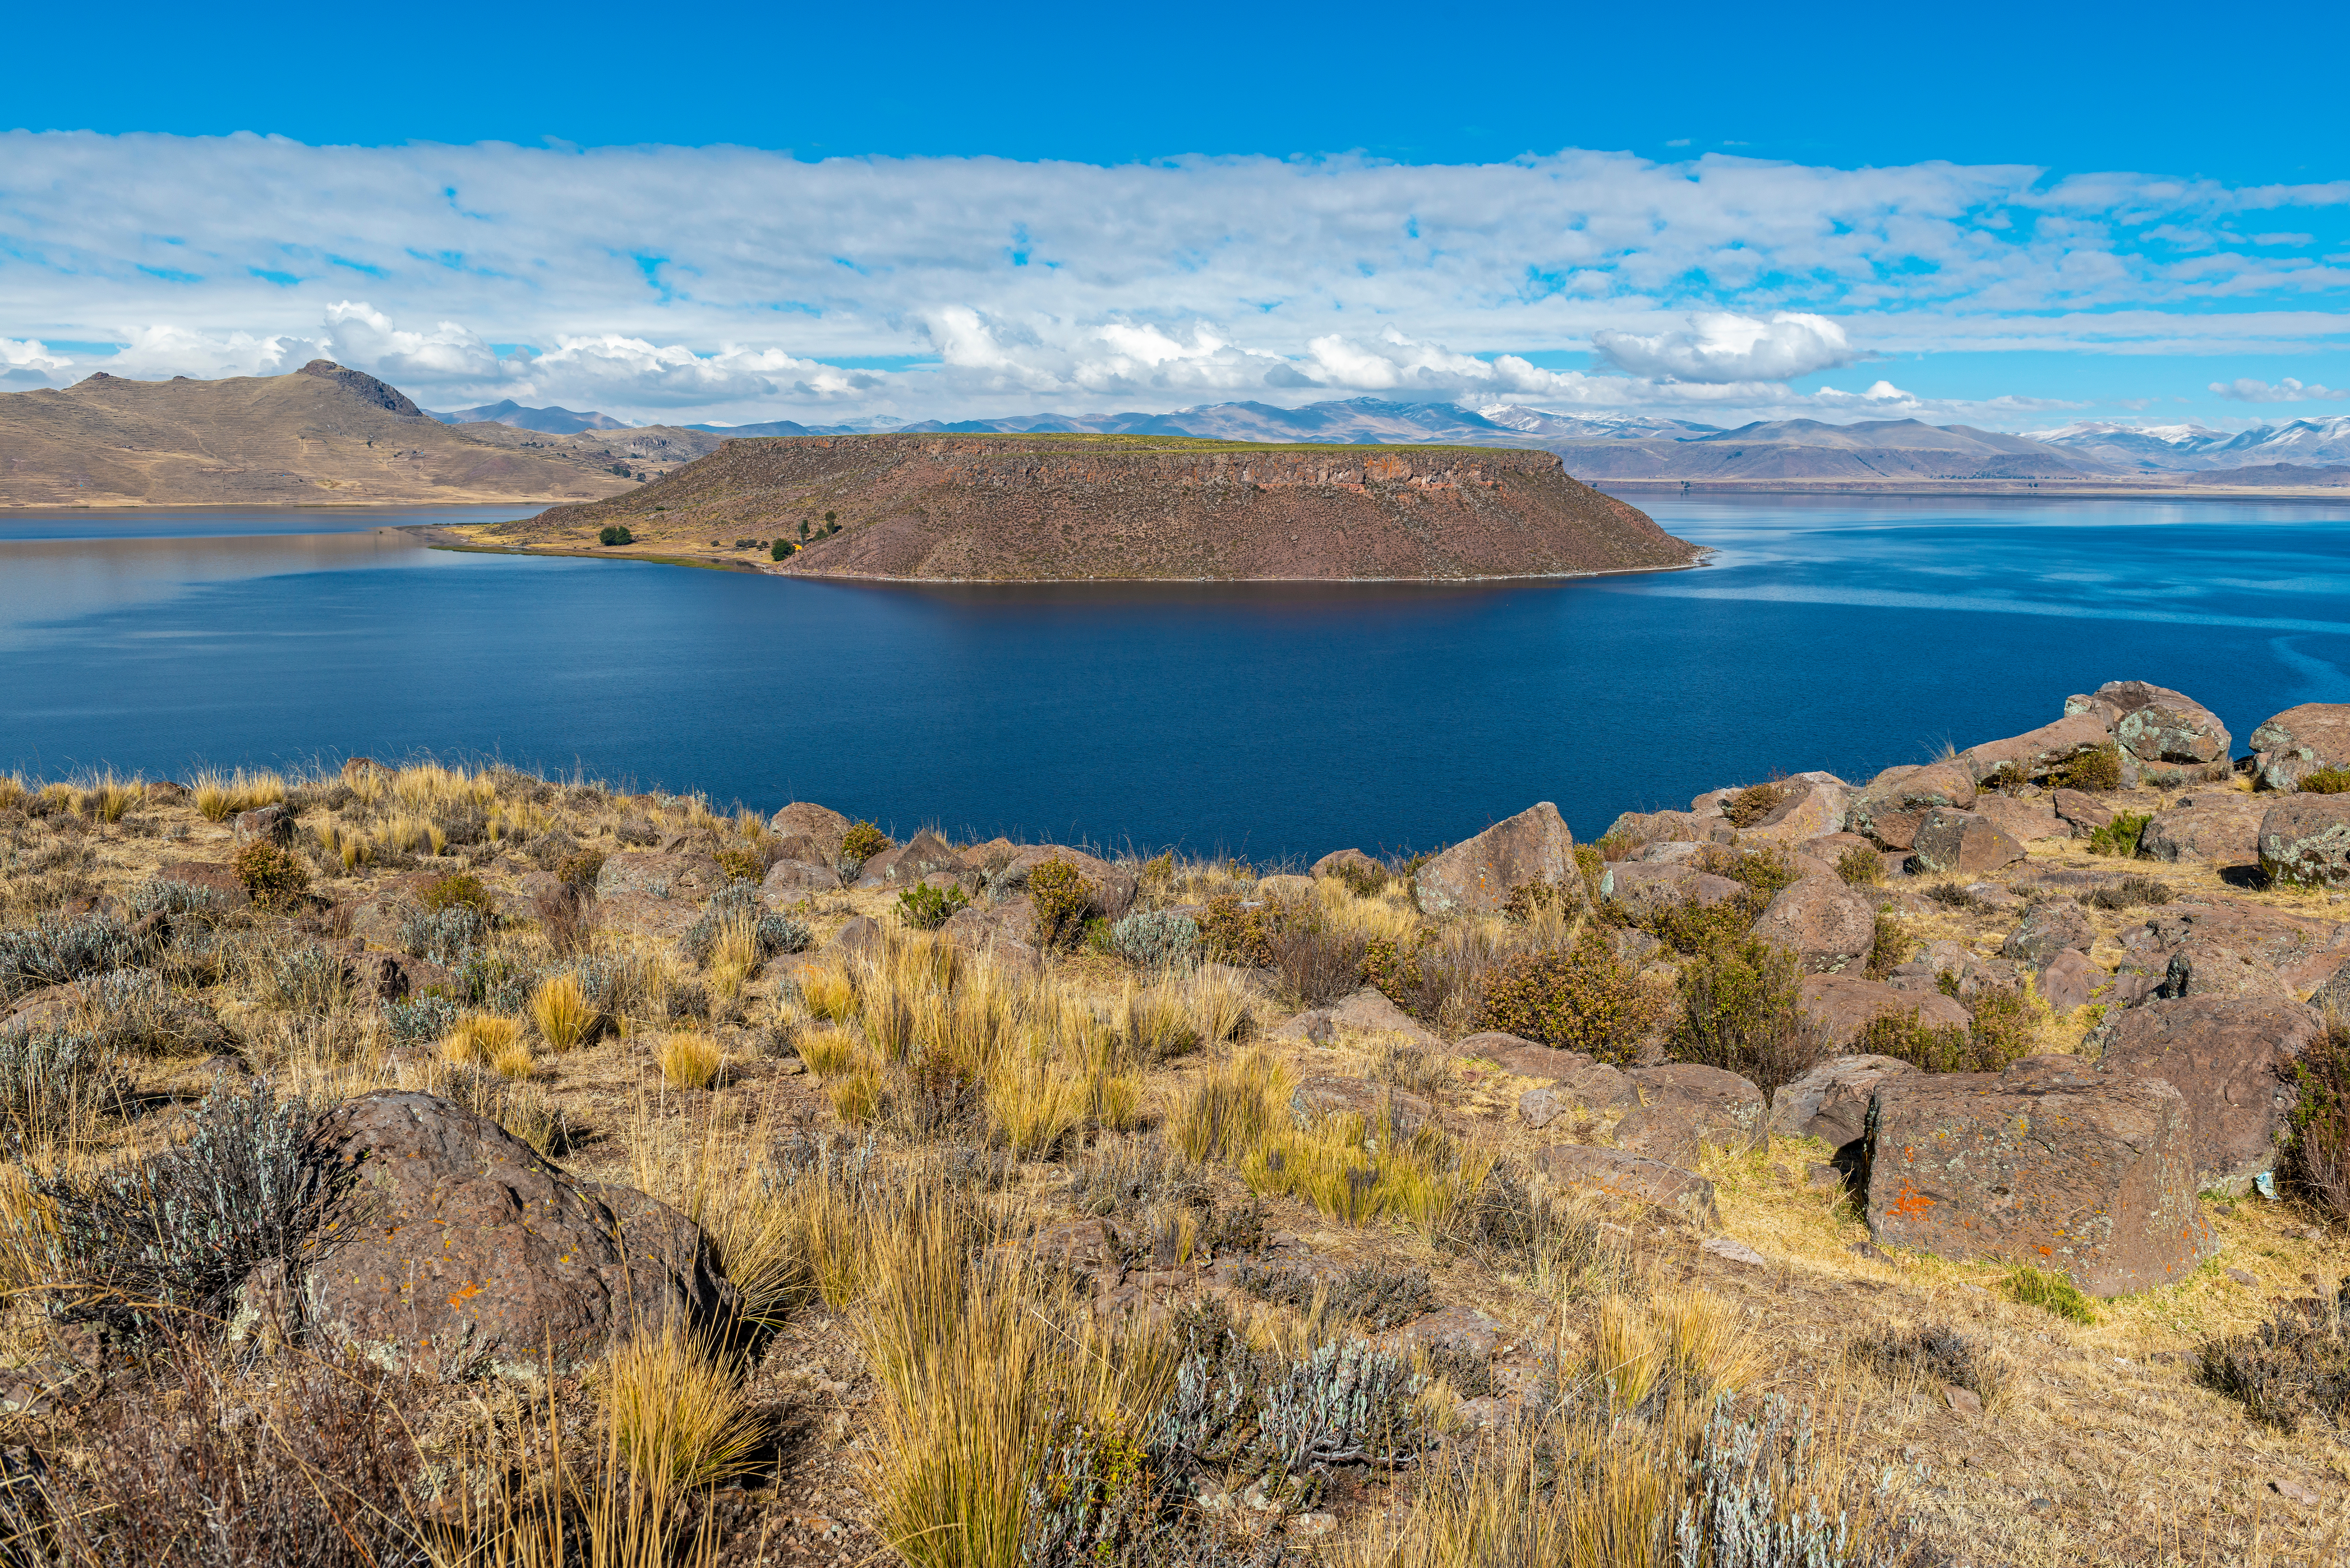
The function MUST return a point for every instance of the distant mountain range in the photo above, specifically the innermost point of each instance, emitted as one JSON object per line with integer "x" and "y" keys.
{"x": 547, "y": 421}
{"x": 2159, "y": 448}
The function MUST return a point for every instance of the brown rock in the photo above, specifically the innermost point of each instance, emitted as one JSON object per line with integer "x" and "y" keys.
{"x": 273, "y": 823}
{"x": 2289, "y": 746}
{"x": 394, "y": 976}
{"x": 2036, "y": 753}
{"x": 1841, "y": 1005}
{"x": 2068, "y": 980}
{"x": 2047, "y": 928}
{"x": 2223, "y": 827}
{"x": 2084, "y": 812}
{"x": 1629, "y": 1178}
{"x": 2213, "y": 966}
{"x": 1895, "y": 801}
{"x": 461, "y": 1252}
{"x": 1353, "y": 861}
{"x": 2306, "y": 840}
{"x": 821, "y": 825}
{"x": 2231, "y": 1059}
{"x": 1007, "y": 930}
{"x": 1827, "y": 924}
{"x": 2158, "y": 726}
{"x": 1811, "y": 805}
{"x": 2023, "y": 820}
{"x": 1645, "y": 889}
{"x": 1685, "y": 1109}
{"x": 1831, "y": 1102}
{"x": 1637, "y": 830}
{"x": 1370, "y": 1011}
{"x": 1965, "y": 842}
{"x": 681, "y": 878}
{"x": 1478, "y": 875}
{"x": 207, "y": 875}
{"x": 788, "y": 881}
{"x": 1324, "y": 1095}
{"x": 924, "y": 855}
{"x": 2050, "y": 1163}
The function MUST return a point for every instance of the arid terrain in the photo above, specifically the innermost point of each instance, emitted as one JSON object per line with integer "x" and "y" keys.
{"x": 323, "y": 436}
{"x": 1056, "y": 508}
{"x": 433, "y": 1165}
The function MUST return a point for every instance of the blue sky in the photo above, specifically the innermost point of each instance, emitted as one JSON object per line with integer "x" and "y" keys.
{"x": 2005, "y": 216}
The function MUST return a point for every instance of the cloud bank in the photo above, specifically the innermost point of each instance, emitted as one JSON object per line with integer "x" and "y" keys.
{"x": 730, "y": 283}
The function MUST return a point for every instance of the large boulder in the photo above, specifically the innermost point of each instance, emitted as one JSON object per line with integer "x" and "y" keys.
{"x": 1351, "y": 864}
{"x": 2022, "y": 819}
{"x": 924, "y": 855}
{"x": 1647, "y": 888}
{"x": 1889, "y": 809}
{"x": 457, "y": 1250}
{"x": 2050, "y": 1163}
{"x": 2231, "y": 1059}
{"x": 2214, "y": 966}
{"x": 1828, "y": 925}
{"x": 2297, "y": 743}
{"x": 1811, "y": 805}
{"x": 790, "y": 881}
{"x": 827, "y": 827}
{"x": 2036, "y": 753}
{"x": 1629, "y": 1179}
{"x": 2306, "y": 840}
{"x": 1831, "y": 1102}
{"x": 688, "y": 879}
{"x": 1478, "y": 875}
{"x": 1686, "y": 1109}
{"x": 2082, "y": 812}
{"x": 1962, "y": 842}
{"x": 1840, "y": 1006}
{"x": 2047, "y": 928}
{"x": 2165, "y": 736}
{"x": 2221, "y": 826}
{"x": 2068, "y": 980}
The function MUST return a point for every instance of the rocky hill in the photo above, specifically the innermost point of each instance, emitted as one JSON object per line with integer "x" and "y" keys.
{"x": 323, "y": 435}
{"x": 1061, "y": 507}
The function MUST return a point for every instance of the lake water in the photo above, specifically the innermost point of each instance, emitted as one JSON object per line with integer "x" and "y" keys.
{"x": 1268, "y": 720}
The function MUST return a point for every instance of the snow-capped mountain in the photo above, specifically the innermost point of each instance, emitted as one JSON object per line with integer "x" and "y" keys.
{"x": 2309, "y": 442}
{"x": 1542, "y": 423}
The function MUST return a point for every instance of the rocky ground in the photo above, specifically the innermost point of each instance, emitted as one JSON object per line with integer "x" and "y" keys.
{"x": 1966, "y": 1111}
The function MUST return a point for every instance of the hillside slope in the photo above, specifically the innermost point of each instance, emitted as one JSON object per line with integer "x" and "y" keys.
{"x": 1059, "y": 508}
{"x": 322, "y": 435}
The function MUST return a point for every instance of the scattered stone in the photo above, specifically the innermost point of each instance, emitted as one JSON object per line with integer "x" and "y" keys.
{"x": 2289, "y": 746}
{"x": 2230, "y": 1058}
{"x": 2241, "y": 1277}
{"x": 1947, "y": 839}
{"x": 922, "y": 856}
{"x": 2293, "y": 1490}
{"x": 1734, "y": 1252}
{"x": 790, "y": 881}
{"x": 2224, "y": 828}
{"x": 1627, "y": 1178}
{"x": 1370, "y": 1011}
{"x": 1964, "y": 1401}
{"x": 2050, "y": 1162}
{"x": 689, "y": 880}
{"x": 207, "y": 875}
{"x": 273, "y": 823}
{"x": 460, "y": 1251}
{"x": 1827, "y": 924}
{"x": 859, "y": 934}
{"x": 2213, "y": 966}
{"x": 2069, "y": 980}
{"x": 1478, "y": 875}
{"x": 2047, "y": 928}
{"x": 2085, "y": 813}
{"x": 1685, "y": 1109}
{"x": 2306, "y": 839}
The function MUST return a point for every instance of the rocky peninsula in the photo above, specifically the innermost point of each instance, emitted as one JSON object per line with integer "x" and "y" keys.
{"x": 1046, "y": 508}
{"x": 1970, "y": 1142}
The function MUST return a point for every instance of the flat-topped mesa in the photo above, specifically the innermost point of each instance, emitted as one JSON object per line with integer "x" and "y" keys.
{"x": 1046, "y": 508}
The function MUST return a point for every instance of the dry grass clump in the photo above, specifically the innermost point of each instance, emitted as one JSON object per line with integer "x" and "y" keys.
{"x": 220, "y": 795}
{"x": 564, "y": 1017}
{"x": 1679, "y": 1344}
{"x": 689, "y": 1059}
{"x": 479, "y": 1039}
{"x": 680, "y": 1421}
{"x": 1233, "y": 1106}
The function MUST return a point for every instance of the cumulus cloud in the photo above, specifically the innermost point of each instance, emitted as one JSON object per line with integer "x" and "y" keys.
{"x": 1721, "y": 347}
{"x": 2244, "y": 389}
{"x": 744, "y": 284}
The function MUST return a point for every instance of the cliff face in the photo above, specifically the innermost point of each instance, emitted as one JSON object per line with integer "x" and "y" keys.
{"x": 1041, "y": 508}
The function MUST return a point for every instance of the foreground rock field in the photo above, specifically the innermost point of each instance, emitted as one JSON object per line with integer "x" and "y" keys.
{"x": 425, "y": 1165}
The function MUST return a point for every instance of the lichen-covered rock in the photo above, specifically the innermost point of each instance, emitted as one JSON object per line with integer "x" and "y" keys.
{"x": 1685, "y": 1109}
{"x": 2023, "y": 820}
{"x": 457, "y": 1250}
{"x": 1645, "y": 887}
{"x": 2222, "y": 826}
{"x": 2036, "y": 753}
{"x": 1839, "y": 1006}
{"x": 821, "y": 823}
{"x": 688, "y": 879}
{"x": 2068, "y": 980}
{"x": 2214, "y": 966}
{"x": 2050, "y": 1163}
{"x": 1349, "y": 863}
{"x": 1478, "y": 875}
{"x": 2289, "y": 746}
{"x": 924, "y": 855}
{"x": 1630, "y": 1179}
{"x": 1811, "y": 805}
{"x": 790, "y": 881}
{"x": 2306, "y": 840}
{"x": 1889, "y": 810}
{"x": 2230, "y": 1058}
{"x": 1827, "y": 925}
{"x": 1965, "y": 843}
{"x": 2047, "y": 928}
{"x": 2168, "y": 736}
{"x": 1831, "y": 1102}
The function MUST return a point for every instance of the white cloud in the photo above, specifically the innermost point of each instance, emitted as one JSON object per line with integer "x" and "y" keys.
{"x": 2244, "y": 389}
{"x": 1719, "y": 346}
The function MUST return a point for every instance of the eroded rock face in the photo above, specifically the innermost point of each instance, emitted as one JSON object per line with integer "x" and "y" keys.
{"x": 2036, "y": 753}
{"x": 2068, "y": 980}
{"x": 2050, "y": 1163}
{"x": 2047, "y": 928}
{"x": 2306, "y": 840}
{"x": 2230, "y": 1058}
{"x": 1841, "y": 1005}
{"x": 1889, "y": 810}
{"x": 1478, "y": 875}
{"x": 1827, "y": 925}
{"x": 1831, "y": 1102}
{"x": 1631, "y": 1178}
{"x": 1964, "y": 843}
{"x": 1650, "y": 888}
{"x": 2289, "y": 746}
{"x": 458, "y": 1251}
{"x": 688, "y": 879}
{"x": 2085, "y": 813}
{"x": 2159, "y": 726}
{"x": 1811, "y": 805}
{"x": 2213, "y": 966}
{"x": 788, "y": 881}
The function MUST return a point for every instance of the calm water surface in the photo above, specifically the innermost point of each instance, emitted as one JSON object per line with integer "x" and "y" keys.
{"x": 1271, "y": 719}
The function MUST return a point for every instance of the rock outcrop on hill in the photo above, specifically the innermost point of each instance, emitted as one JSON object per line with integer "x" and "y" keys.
{"x": 1063, "y": 508}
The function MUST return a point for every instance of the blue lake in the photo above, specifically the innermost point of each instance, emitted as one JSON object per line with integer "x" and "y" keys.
{"x": 1268, "y": 720}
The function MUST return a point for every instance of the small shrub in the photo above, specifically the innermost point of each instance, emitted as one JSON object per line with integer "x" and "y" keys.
{"x": 58, "y": 952}
{"x": 204, "y": 906}
{"x": 1364, "y": 880}
{"x": 442, "y": 937}
{"x": 494, "y": 980}
{"x": 581, "y": 869}
{"x": 741, "y": 863}
{"x": 2295, "y": 1367}
{"x": 1891, "y": 947}
{"x": 2099, "y": 771}
{"x": 1753, "y": 803}
{"x": 1952, "y": 895}
{"x": 420, "y": 1020}
{"x": 2317, "y": 1150}
{"x": 861, "y": 843}
{"x": 1232, "y": 933}
{"x": 691, "y": 1060}
{"x": 1587, "y": 999}
{"x": 2051, "y": 1292}
{"x": 2006, "y": 1028}
{"x": 1740, "y": 1013}
{"x": 616, "y": 534}
{"x": 308, "y": 980}
{"x": 564, "y": 1017}
{"x": 54, "y": 1081}
{"x": 273, "y": 876}
{"x": 1764, "y": 873}
{"x": 1861, "y": 867}
{"x": 762, "y": 932}
{"x": 1317, "y": 965}
{"x": 2326, "y": 780}
{"x": 1899, "y": 1034}
{"x": 1378, "y": 1294}
{"x": 1938, "y": 1352}
{"x": 459, "y": 887}
{"x": 926, "y": 908}
{"x": 780, "y": 549}
{"x": 1157, "y": 938}
{"x": 2120, "y": 836}
{"x": 564, "y": 917}
{"x": 1528, "y": 899}
{"x": 1062, "y": 901}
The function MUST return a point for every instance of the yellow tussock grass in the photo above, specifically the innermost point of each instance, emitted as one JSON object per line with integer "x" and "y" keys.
{"x": 827, "y": 1050}
{"x": 565, "y": 1016}
{"x": 1231, "y": 1106}
{"x": 680, "y": 1420}
{"x": 478, "y": 1039}
{"x": 689, "y": 1059}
